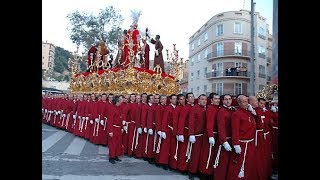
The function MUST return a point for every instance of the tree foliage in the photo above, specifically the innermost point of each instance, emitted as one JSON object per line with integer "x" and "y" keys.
{"x": 61, "y": 58}
{"x": 87, "y": 29}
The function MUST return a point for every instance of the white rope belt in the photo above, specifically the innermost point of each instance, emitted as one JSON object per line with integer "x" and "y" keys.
{"x": 241, "y": 173}
{"x": 186, "y": 128}
{"x": 256, "y": 138}
{"x": 154, "y": 140}
{"x": 134, "y": 134}
{"x": 189, "y": 148}
{"x": 216, "y": 162}
{"x": 265, "y": 135}
{"x": 116, "y": 126}
{"x": 209, "y": 155}
{"x": 67, "y": 121}
{"x": 274, "y": 127}
{"x": 170, "y": 127}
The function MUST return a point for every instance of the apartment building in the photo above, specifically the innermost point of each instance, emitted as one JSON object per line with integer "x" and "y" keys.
{"x": 48, "y": 51}
{"x": 219, "y": 54}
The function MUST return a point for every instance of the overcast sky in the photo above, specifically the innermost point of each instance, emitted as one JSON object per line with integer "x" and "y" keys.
{"x": 174, "y": 20}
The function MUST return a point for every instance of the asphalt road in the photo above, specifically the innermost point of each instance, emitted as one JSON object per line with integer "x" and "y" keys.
{"x": 67, "y": 157}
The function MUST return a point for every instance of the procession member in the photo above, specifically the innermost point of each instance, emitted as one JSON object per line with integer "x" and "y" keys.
{"x": 210, "y": 137}
{"x": 166, "y": 132}
{"x": 114, "y": 129}
{"x": 243, "y": 157}
{"x": 197, "y": 127}
{"x": 140, "y": 136}
{"x": 125, "y": 115}
{"x": 150, "y": 121}
{"x": 224, "y": 150}
{"x": 183, "y": 133}
{"x": 88, "y": 126}
{"x": 158, "y": 118}
{"x": 131, "y": 123}
{"x": 99, "y": 121}
{"x": 274, "y": 135}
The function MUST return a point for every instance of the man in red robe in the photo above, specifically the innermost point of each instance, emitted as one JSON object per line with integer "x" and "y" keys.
{"x": 243, "y": 158}
{"x": 224, "y": 151}
{"x": 140, "y": 125}
{"x": 145, "y": 52}
{"x": 158, "y": 118}
{"x": 131, "y": 123}
{"x": 183, "y": 133}
{"x": 197, "y": 127}
{"x": 114, "y": 129}
{"x": 208, "y": 153}
{"x": 167, "y": 132}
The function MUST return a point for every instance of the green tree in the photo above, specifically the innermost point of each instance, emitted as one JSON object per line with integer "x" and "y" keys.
{"x": 61, "y": 58}
{"x": 87, "y": 29}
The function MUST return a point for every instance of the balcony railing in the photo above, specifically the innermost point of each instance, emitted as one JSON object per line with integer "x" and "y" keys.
{"x": 224, "y": 74}
{"x": 263, "y": 56}
{"x": 262, "y": 75}
{"x": 261, "y": 36}
{"x": 227, "y": 53}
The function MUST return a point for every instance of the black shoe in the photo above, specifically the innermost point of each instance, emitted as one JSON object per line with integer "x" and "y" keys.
{"x": 151, "y": 161}
{"x": 117, "y": 159}
{"x": 165, "y": 167}
{"x": 191, "y": 176}
{"x": 112, "y": 161}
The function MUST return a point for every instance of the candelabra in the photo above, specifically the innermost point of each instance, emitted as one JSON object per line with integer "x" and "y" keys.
{"x": 176, "y": 63}
{"x": 74, "y": 62}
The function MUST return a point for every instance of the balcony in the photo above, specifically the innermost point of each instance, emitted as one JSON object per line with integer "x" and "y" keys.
{"x": 228, "y": 53}
{"x": 221, "y": 74}
{"x": 261, "y": 55}
{"x": 261, "y": 75}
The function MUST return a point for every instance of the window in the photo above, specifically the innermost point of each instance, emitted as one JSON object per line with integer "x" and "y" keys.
{"x": 237, "y": 28}
{"x": 192, "y": 46}
{"x": 191, "y": 90}
{"x": 198, "y": 74}
{"x": 238, "y": 48}
{"x": 198, "y": 90}
{"x": 192, "y": 61}
{"x": 191, "y": 77}
{"x": 219, "y": 30}
{"x": 261, "y": 87}
{"x": 237, "y": 88}
{"x": 219, "y": 88}
{"x": 219, "y": 70}
{"x": 206, "y": 54}
{"x": 199, "y": 42}
{"x": 205, "y": 88}
{"x": 262, "y": 71}
{"x": 262, "y": 52}
{"x": 205, "y": 71}
{"x": 199, "y": 57}
{"x": 262, "y": 33}
{"x": 220, "y": 49}
{"x": 205, "y": 36}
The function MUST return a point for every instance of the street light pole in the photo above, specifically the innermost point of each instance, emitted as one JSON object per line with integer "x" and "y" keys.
{"x": 252, "y": 51}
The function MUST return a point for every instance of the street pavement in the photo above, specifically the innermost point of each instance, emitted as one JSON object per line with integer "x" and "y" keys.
{"x": 68, "y": 157}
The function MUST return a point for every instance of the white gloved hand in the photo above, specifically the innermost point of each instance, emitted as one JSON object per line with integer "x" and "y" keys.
{"x": 180, "y": 138}
{"x": 139, "y": 130}
{"x": 250, "y": 108}
{"x": 273, "y": 108}
{"x": 45, "y": 110}
{"x": 211, "y": 141}
{"x": 125, "y": 128}
{"x": 97, "y": 120}
{"x": 227, "y": 146}
{"x": 79, "y": 117}
{"x": 237, "y": 148}
{"x": 91, "y": 121}
{"x": 159, "y": 133}
{"x": 264, "y": 109}
{"x": 74, "y": 117}
{"x": 163, "y": 135}
{"x": 42, "y": 109}
{"x": 145, "y": 130}
{"x": 150, "y": 131}
{"x": 59, "y": 112}
{"x": 87, "y": 118}
{"x": 56, "y": 113}
{"x": 101, "y": 122}
{"x": 192, "y": 139}
{"x": 123, "y": 122}
{"x": 63, "y": 115}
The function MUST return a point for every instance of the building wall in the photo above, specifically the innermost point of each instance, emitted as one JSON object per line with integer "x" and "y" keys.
{"x": 207, "y": 42}
{"x": 64, "y": 86}
{"x": 48, "y": 51}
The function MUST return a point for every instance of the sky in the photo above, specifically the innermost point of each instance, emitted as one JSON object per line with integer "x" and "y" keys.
{"x": 174, "y": 20}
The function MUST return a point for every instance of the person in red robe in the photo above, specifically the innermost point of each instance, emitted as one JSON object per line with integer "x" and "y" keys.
{"x": 100, "y": 121}
{"x": 224, "y": 151}
{"x": 167, "y": 132}
{"x": 274, "y": 137}
{"x": 183, "y": 134}
{"x": 159, "y": 111}
{"x": 243, "y": 158}
{"x": 145, "y": 52}
{"x": 140, "y": 134}
{"x": 131, "y": 123}
{"x": 209, "y": 146}
{"x": 150, "y": 121}
{"x": 158, "y": 57}
{"x": 114, "y": 129}
{"x": 197, "y": 128}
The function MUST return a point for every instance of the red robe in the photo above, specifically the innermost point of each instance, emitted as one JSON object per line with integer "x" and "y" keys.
{"x": 102, "y": 111}
{"x": 197, "y": 127}
{"x": 150, "y": 146}
{"x": 224, "y": 135}
{"x": 137, "y": 147}
{"x": 182, "y": 129}
{"x": 158, "y": 59}
{"x": 114, "y": 125}
{"x": 159, "y": 111}
{"x": 243, "y": 134}
{"x": 167, "y": 127}
{"x": 87, "y": 125}
{"x": 174, "y": 146}
{"x": 80, "y": 114}
{"x": 146, "y": 56}
{"x": 132, "y": 130}
{"x": 211, "y": 131}
{"x": 274, "y": 139}
{"x": 124, "y": 114}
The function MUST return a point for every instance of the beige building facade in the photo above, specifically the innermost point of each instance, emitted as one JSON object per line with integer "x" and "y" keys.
{"x": 219, "y": 54}
{"x": 48, "y": 51}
